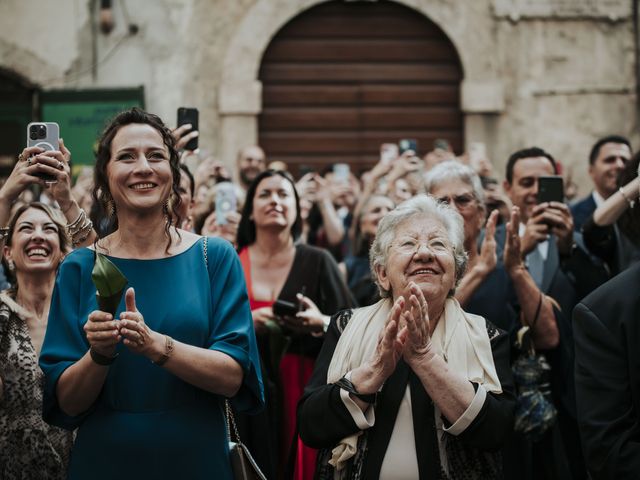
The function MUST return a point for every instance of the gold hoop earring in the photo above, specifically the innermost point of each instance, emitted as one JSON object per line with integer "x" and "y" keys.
{"x": 110, "y": 208}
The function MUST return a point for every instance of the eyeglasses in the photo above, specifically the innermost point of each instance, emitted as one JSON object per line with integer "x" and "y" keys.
{"x": 410, "y": 246}
{"x": 460, "y": 201}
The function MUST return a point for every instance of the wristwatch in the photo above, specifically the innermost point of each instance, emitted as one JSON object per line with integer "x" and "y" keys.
{"x": 347, "y": 385}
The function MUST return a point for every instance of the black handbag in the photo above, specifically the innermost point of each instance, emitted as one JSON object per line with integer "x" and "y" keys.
{"x": 243, "y": 465}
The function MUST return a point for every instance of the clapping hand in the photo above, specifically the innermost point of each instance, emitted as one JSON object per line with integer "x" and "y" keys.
{"x": 488, "y": 259}
{"x": 512, "y": 258}
{"x": 370, "y": 377}
{"x": 417, "y": 346}
{"x": 137, "y": 336}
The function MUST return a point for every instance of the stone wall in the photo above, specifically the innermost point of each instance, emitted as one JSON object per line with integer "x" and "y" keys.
{"x": 555, "y": 73}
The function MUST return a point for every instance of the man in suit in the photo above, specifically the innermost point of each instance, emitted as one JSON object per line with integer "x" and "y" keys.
{"x": 607, "y": 333}
{"x": 560, "y": 265}
{"x": 607, "y": 159}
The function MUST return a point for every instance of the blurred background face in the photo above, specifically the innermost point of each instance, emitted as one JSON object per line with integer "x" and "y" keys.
{"x": 251, "y": 162}
{"x": 460, "y": 196}
{"x": 35, "y": 244}
{"x": 400, "y": 191}
{"x": 376, "y": 208}
{"x": 274, "y": 205}
{"x": 186, "y": 197}
{"x": 607, "y": 166}
{"x": 343, "y": 193}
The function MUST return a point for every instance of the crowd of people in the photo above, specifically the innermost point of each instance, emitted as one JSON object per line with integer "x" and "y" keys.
{"x": 414, "y": 320}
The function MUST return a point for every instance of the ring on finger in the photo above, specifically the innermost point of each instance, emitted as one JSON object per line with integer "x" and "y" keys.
{"x": 60, "y": 165}
{"x": 21, "y": 157}
{"x": 29, "y": 161}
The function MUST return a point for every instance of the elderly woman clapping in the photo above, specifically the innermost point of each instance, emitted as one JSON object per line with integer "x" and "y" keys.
{"x": 412, "y": 386}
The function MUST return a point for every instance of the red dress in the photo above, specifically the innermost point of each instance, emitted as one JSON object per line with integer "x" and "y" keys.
{"x": 295, "y": 371}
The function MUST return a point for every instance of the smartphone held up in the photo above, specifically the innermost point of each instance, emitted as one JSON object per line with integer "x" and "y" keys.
{"x": 44, "y": 135}
{"x": 187, "y": 115}
{"x": 550, "y": 189}
{"x": 225, "y": 201}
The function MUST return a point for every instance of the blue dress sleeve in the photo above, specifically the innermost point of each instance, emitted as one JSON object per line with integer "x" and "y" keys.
{"x": 65, "y": 342}
{"x": 232, "y": 324}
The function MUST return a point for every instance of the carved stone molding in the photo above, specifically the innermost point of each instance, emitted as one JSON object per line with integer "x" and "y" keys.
{"x": 522, "y": 9}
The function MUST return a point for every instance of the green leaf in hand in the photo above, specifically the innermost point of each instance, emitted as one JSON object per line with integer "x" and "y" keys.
{"x": 109, "y": 282}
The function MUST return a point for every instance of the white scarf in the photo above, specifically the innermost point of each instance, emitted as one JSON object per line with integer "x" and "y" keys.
{"x": 460, "y": 338}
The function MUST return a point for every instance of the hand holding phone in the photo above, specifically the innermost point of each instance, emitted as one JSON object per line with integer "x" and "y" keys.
{"x": 283, "y": 308}
{"x": 388, "y": 153}
{"x": 44, "y": 135}
{"x": 341, "y": 172}
{"x": 186, "y": 116}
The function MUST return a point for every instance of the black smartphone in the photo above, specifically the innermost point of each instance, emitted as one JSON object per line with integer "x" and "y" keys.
{"x": 284, "y": 308}
{"x": 189, "y": 115}
{"x": 550, "y": 189}
{"x": 44, "y": 135}
{"x": 408, "y": 144}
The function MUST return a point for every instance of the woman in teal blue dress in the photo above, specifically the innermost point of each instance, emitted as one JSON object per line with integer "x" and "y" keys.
{"x": 146, "y": 387}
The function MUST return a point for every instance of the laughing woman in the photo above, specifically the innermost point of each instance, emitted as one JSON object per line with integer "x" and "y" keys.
{"x": 145, "y": 388}
{"x": 411, "y": 386}
{"x": 36, "y": 242}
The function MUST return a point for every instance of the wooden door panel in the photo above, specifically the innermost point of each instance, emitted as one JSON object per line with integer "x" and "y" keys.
{"x": 359, "y": 72}
{"x": 344, "y": 77}
{"x": 383, "y": 94}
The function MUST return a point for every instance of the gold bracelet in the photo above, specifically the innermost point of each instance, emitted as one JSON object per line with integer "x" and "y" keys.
{"x": 168, "y": 351}
{"x": 631, "y": 203}
{"x": 74, "y": 225}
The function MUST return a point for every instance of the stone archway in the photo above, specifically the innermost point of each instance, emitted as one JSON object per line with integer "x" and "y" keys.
{"x": 240, "y": 91}
{"x": 342, "y": 78}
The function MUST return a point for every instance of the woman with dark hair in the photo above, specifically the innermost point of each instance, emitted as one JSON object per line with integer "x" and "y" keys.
{"x": 146, "y": 386}
{"x": 36, "y": 242}
{"x": 277, "y": 267}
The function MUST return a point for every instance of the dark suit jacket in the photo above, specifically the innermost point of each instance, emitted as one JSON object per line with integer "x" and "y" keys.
{"x": 582, "y": 210}
{"x": 566, "y": 280}
{"x": 607, "y": 337}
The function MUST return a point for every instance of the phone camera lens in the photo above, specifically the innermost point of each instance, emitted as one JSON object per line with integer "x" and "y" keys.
{"x": 38, "y": 131}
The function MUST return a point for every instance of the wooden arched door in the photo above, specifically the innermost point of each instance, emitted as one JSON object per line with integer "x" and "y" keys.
{"x": 343, "y": 77}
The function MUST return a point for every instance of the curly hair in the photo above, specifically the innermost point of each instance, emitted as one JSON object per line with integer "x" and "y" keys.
{"x": 101, "y": 193}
